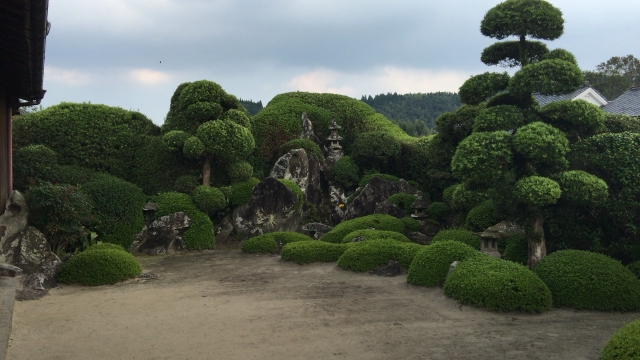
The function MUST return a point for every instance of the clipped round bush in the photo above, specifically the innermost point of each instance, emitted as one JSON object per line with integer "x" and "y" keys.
{"x": 624, "y": 344}
{"x": 373, "y": 150}
{"x": 481, "y": 217}
{"x": 537, "y": 191}
{"x": 410, "y": 223}
{"x": 265, "y": 243}
{"x": 438, "y": 211}
{"x": 368, "y": 234}
{"x": 376, "y": 221}
{"x": 431, "y": 264}
{"x": 345, "y": 172}
{"x": 305, "y": 252}
{"x": 200, "y": 235}
{"x": 581, "y": 188}
{"x": 186, "y": 183}
{"x": 193, "y": 148}
{"x": 99, "y": 267}
{"x": 175, "y": 138}
{"x": 208, "y": 199}
{"x": 461, "y": 235}
{"x": 517, "y": 250}
{"x": 105, "y": 246}
{"x": 501, "y": 117}
{"x": 498, "y": 285}
{"x": 403, "y": 201}
{"x": 480, "y": 87}
{"x": 589, "y": 281}
{"x": 240, "y": 193}
{"x": 239, "y": 171}
{"x": 635, "y": 268}
{"x": 368, "y": 255}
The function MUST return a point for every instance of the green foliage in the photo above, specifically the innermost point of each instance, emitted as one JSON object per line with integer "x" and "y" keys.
{"x": 517, "y": 249}
{"x": 456, "y": 126}
{"x": 345, "y": 172}
{"x": 410, "y": 223}
{"x": 368, "y": 255}
{"x": 403, "y": 201}
{"x": 460, "y": 235}
{"x": 32, "y": 165}
{"x": 481, "y": 217}
{"x": 431, "y": 264}
{"x": 365, "y": 179}
{"x": 537, "y": 191}
{"x": 535, "y": 18}
{"x": 615, "y": 76}
{"x": 308, "y": 145}
{"x": 265, "y": 243}
{"x": 208, "y": 199}
{"x": 438, "y": 211}
{"x": 251, "y": 106}
{"x": 498, "y": 285}
{"x": 577, "y": 118}
{"x": 465, "y": 199}
{"x": 560, "y": 54}
{"x": 589, "y": 281}
{"x": 507, "y": 53}
{"x": 501, "y": 117}
{"x": 624, "y": 344}
{"x": 376, "y": 221}
{"x": 60, "y": 212}
{"x": 239, "y": 171}
{"x": 542, "y": 144}
{"x": 368, "y": 234}
{"x": 553, "y": 76}
{"x": 200, "y": 235}
{"x": 305, "y": 252}
{"x": 374, "y": 150}
{"x": 610, "y": 86}
{"x": 175, "y": 138}
{"x": 581, "y": 188}
{"x": 482, "y": 158}
{"x": 186, "y": 183}
{"x": 193, "y": 148}
{"x": 105, "y": 246}
{"x": 237, "y": 116}
{"x": 479, "y": 88}
{"x": 225, "y": 140}
{"x": 241, "y": 192}
{"x": 617, "y": 123}
{"x": 99, "y": 267}
{"x": 635, "y": 268}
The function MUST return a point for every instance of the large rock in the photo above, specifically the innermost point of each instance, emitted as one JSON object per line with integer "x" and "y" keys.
{"x": 502, "y": 230}
{"x": 224, "y": 229}
{"x": 162, "y": 236}
{"x": 337, "y": 204}
{"x": 293, "y": 165}
{"x": 375, "y": 192}
{"x": 273, "y": 207}
{"x": 307, "y": 130}
{"x": 14, "y": 219}
{"x": 389, "y": 208}
{"x": 314, "y": 189}
{"x": 316, "y": 230}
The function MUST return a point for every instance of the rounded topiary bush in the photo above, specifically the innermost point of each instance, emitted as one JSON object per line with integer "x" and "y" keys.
{"x": 481, "y": 216}
{"x": 239, "y": 171}
{"x": 200, "y": 235}
{"x": 635, "y": 268}
{"x": 517, "y": 249}
{"x": 32, "y": 165}
{"x": 368, "y": 234}
{"x": 624, "y": 344}
{"x": 498, "y": 285}
{"x": 99, "y": 267}
{"x": 208, "y": 199}
{"x": 410, "y": 223}
{"x": 186, "y": 183}
{"x": 240, "y": 193}
{"x": 368, "y": 255}
{"x": 265, "y": 243}
{"x": 589, "y": 281}
{"x": 376, "y": 221}
{"x": 403, "y": 201}
{"x": 461, "y": 235}
{"x": 431, "y": 264}
{"x": 438, "y": 211}
{"x": 304, "y": 252}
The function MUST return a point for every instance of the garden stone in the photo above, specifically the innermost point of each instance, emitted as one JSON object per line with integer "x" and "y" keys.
{"x": 293, "y": 165}
{"x": 375, "y": 192}
{"x": 314, "y": 189}
{"x": 29, "y": 250}
{"x": 13, "y": 220}
{"x": 162, "y": 236}
{"x": 337, "y": 201}
{"x": 429, "y": 229}
{"x": 316, "y": 230}
{"x": 419, "y": 238}
{"x": 389, "y": 208}
{"x": 224, "y": 229}
{"x": 307, "y": 130}
{"x": 452, "y": 267}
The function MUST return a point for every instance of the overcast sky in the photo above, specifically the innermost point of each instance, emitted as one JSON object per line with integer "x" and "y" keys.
{"x": 134, "y": 53}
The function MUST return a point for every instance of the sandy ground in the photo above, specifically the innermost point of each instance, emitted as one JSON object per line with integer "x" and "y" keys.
{"x": 224, "y": 304}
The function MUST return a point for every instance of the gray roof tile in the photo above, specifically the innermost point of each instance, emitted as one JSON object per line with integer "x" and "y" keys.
{"x": 548, "y": 99}
{"x": 627, "y": 103}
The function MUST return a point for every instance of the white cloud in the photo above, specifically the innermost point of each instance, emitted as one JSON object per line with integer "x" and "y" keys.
{"x": 148, "y": 76}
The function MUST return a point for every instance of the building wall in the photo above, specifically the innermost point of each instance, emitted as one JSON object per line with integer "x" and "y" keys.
{"x": 5, "y": 171}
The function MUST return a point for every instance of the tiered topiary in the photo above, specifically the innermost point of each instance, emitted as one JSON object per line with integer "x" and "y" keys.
{"x": 624, "y": 344}
{"x": 265, "y": 243}
{"x": 200, "y": 235}
{"x": 431, "y": 264}
{"x": 403, "y": 201}
{"x": 461, "y": 235}
{"x": 368, "y": 255}
{"x": 589, "y": 281}
{"x": 305, "y": 252}
{"x": 481, "y": 217}
{"x": 498, "y": 285}
{"x": 376, "y": 221}
{"x": 368, "y": 234}
{"x": 99, "y": 267}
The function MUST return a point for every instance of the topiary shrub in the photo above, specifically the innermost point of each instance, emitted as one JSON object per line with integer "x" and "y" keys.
{"x": 201, "y": 234}
{"x": 376, "y": 221}
{"x": 99, "y": 267}
{"x": 305, "y": 252}
{"x": 410, "y": 223}
{"x": 517, "y": 249}
{"x": 239, "y": 171}
{"x": 461, "y": 235}
{"x": 438, "y": 211}
{"x": 240, "y": 193}
{"x": 308, "y": 145}
{"x": 375, "y": 150}
{"x": 431, "y": 264}
{"x": 368, "y": 234}
{"x": 209, "y": 199}
{"x": 403, "y": 201}
{"x": 635, "y": 268}
{"x": 32, "y": 165}
{"x": 498, "y": 285}
{"x": 345, "y": 172}
{"x": 589, "y": 281}
{"x": 186, "y": 183}
{"x": 105, "y": 246}
{"x": 265, "y": 243}
{"x": 365, "y": 179}
{"x": 624, "y": 344}
{"x": 481, "y": 217}
{"x": 368, "y": 255}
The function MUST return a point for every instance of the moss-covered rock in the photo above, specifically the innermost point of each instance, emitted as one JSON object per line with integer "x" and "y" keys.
{"x": 376, "y": 221}
{"x": 461, "y": 235}
{"x": 624, "y": 344}
{"x": 99, "y": 267}
{"x": 589, "y": 281}
{"x": 498, "y": 285}
{"x": 431, "y": 264}
{"x": 201, "y": 234}
{"x": 365, "y": 179}
{"x": 368, "y": 234}
{"x": 305, "y": 252}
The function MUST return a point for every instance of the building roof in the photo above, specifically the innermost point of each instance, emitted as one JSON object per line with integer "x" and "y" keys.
{"x": 23, "y": 31}
{"x": 628, "y": 103}
{"x": 547, "y": 99}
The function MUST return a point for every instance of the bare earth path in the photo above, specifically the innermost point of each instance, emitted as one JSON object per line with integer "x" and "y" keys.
{"x": 227, "y": 305}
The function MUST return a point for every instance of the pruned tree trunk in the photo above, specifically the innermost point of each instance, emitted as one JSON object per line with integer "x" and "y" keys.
{"x": 535, "y": 239}
{"x": 206, "y": 172}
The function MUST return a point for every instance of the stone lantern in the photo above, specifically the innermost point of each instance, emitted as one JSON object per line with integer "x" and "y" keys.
{"x": 419, "y": 206}
{"x": 148, "y": 211}
{"x": 502, "y": 230}
{"x": 335, "y": 150}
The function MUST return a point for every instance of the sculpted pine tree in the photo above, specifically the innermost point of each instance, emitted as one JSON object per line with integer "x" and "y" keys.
{"x": 207, "y": 123}
{"x": 516, "y": 153}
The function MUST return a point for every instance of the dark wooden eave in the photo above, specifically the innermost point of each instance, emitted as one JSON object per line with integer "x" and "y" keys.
{"x": 23, "y": 31}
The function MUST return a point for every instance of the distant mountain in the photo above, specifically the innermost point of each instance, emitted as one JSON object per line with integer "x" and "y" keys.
{"x": 252, "y": 107}
{"x": 414, "y": 113}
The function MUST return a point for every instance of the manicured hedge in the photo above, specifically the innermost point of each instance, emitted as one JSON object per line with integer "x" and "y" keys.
{"x": 368, "y": 234}
{"x": 481, "y": 216}
{"x": 265, "y": 243}
{"x": 240, "y": 193}
{"x": 32, "y": 165}
{"x": 589, "y": 281}
{"x": 461, "y": 235}
{"x": 286, "y": 237}
{"x": 368, "y": 255}
{"x": 376, "y": 221}
{"x": 498, "y": 285}
{"x": 305, "y": 252}
{"x": 431, "y": 264}
{"x": 410, "y": 223}
{"x": 99, "y": 267}
{"x": 403, "y": 201}
{"x": 200, "y": 235}
{"x": 624, "y": 344}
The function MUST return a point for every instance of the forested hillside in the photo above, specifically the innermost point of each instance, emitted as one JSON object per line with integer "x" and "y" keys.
{"x": 414, "y": 113}
{"x": 252, "y": 107}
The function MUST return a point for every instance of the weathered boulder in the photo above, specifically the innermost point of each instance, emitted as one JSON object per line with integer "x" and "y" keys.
{"x": 162, "y": 236}
{"x": 502, "y": 230}
{"x": 224, "y": 229}
{"x": 316, "y": 230}
{"x": 293, "y": 165}
{"x": 375, "y": 192}
{"x": 429, "y": 229}
{"x": 14, "y": 219}
{"x": 389, "y": 208}
{"x": 307, "y": 130}
{"x": 337, "y": 204}
{"x": 314, "y": 189}
{"x": 419, "y": 238}
{"x": 273, "y": 207}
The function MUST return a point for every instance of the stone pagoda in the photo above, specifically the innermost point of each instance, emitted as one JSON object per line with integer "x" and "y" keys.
{"x": 334, "y": 148}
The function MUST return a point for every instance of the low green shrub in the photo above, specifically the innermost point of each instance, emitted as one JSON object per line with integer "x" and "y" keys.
{"x": 240, "y": 193}
{"x": 345, "y": 172}
{"x": 410, "y": 223}
{"x": 99, "y": 267}
{"x": 200, "y": 235}
{"x": 186, "y": 183}
{"x": 517, "y": 249}
{"x": 286, "y": 237}
{"x": 407, "y": 252}
{"x": 265, "y": 243}
{"x": 481, "y": 216}
{"x": 376, "y": 221}
{"x": 365, "y": 179}
{"x": 305, "y": 252}
{"x": 431, "y": 264}
{"x": 498, "y": 285}
{"x": 635, "y": 268}
{"x": 239, "y": 171}
{"x": 403, "y": 201}
{"x": 461, "y": 235}
{"x": 209, "y": 199}
{"x": 368, "y": 234}
{"x": 624, "y": 344}
{"x": 438, "y": 211}
{"x": 589, "y": 281}
{"x": 105, "y": 246}
{"x": 368, "y": 255}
